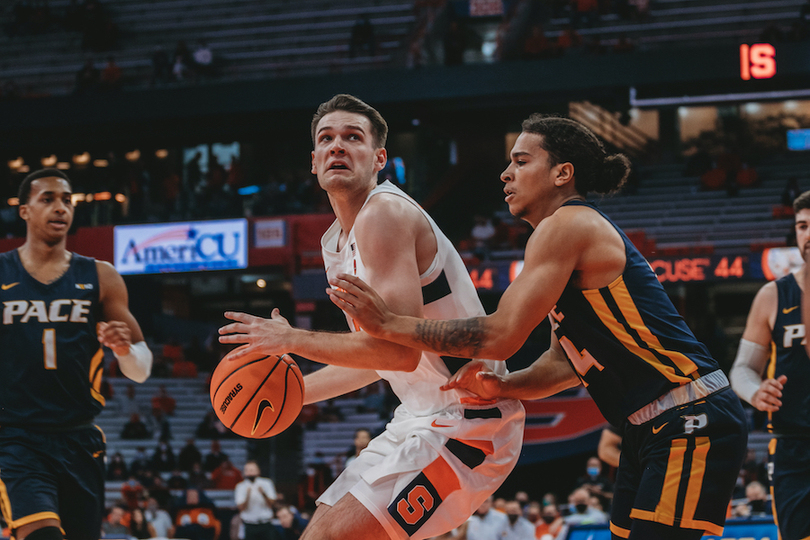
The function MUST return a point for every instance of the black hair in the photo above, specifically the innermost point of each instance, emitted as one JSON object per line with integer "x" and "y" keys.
{"x": 568, "y": 141}
{"x": 25, "y": 187}
{"x": 801, "y": 202}
{"x": 349, "y": 103}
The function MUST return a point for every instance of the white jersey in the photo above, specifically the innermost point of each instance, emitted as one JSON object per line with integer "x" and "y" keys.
{"x": 447, "y": 292}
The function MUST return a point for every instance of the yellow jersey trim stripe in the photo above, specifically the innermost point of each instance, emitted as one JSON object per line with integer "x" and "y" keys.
{"x": 600, "y": 307}
{"x": 696, "y": 474}
{"x": 621, "y": 532}
{"x": 632, "y": 315}
{"x": 96, "y": 372}
{"x": 39, "y": 516}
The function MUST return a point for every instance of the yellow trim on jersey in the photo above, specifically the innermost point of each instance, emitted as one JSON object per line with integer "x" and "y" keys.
{"x": 600, "y": 307}
{"x": 696, "y": 474}
{"x": 95, "y": 382}
{"x": 771, "y": 371}
{"x": 621, "y": 532}
{"x": 103, "y": 436}
{"x": 665, "y": 510}
{"x": 672, "y": 482}
{"x": 39, "y": 516}
{"x": 5, "y": 502}
{"x": 628, "y": 308}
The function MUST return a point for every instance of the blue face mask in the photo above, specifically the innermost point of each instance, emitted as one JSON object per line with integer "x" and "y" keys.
{"x": 593, "y": 471}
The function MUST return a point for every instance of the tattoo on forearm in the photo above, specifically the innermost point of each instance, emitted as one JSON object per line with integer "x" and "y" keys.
{"x": 462, "y": 337}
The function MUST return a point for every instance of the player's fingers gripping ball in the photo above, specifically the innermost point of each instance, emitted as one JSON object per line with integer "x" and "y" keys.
{"x": 257, "y": 396}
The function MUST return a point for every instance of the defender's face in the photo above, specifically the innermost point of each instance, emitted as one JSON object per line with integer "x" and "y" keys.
{"x": 49, "y": 210}
{"x": 528, "y": 177}
{"x": 803, "y": 232}
{"x": 344, "y": 157}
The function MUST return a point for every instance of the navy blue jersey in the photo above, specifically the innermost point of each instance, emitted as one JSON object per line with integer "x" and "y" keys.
{"x": 50, "y": 356}
{"x": 788, "y": 357}
{"x": 626, "y": 341}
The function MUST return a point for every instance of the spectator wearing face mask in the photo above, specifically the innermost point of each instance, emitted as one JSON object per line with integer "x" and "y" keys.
{"x": 550, "y": 523}
{"x": 519, "y": 528}
{"x": 756, "y": 503}
{"x": 582, "y": 513}
{"x": 254, "y": 498}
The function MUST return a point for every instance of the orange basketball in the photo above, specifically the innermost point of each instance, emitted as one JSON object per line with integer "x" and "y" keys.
{"x": 257, "y": 396}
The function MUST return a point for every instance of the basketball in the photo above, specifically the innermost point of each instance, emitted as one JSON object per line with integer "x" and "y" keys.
{"x": 257, "y": 396}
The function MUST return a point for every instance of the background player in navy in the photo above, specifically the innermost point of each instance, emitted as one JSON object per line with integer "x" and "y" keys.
{"x": 59, "y": 308}
{"x": 614, "y": 328}
{"x": 771, "y": 372}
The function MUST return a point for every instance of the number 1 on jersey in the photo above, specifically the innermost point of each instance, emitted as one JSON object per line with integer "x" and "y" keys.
{"x": 49, "y": 347}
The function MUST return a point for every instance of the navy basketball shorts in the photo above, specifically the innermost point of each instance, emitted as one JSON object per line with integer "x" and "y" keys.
{"x": 53, "y": 475}
{"x": 789, "y": 471}
{"x": 679, "y": 468}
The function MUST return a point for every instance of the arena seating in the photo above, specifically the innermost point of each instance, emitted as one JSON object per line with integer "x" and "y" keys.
{"x": 249, "y": 39}
{"x": 675, "y": 213}
{"x": 193, "y": 403}
{"x": 334, "y": 438}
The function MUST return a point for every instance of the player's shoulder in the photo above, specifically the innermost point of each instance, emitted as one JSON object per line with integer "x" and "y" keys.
{"x": 389, "y": 211}
{"x": 766, "y": 300}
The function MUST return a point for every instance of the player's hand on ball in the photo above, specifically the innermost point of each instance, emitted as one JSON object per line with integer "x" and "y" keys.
{"x": 257, "y": 335}
{"x": 767, "y": 398}
{"x": 116, "y": 335}
{"x": 477, "y": 378}
{"x": 360, "y": 302}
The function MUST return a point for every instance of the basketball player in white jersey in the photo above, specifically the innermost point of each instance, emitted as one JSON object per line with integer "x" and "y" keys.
{"x": 443, "y": 453}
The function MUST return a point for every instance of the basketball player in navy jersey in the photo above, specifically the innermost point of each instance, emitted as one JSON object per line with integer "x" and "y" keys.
{"x": 614, "y": 329}
{"x": 771, "y": 372}
{"x": 59, "y": 308}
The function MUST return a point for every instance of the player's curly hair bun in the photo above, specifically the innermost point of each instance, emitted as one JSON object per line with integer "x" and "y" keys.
{"x": 615, "y": 171}
{"x": 567, "y": 140}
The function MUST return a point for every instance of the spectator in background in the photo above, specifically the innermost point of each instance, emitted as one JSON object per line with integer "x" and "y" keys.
{"x": 215, "y": 457}
{"x": 610, "y": 446}
{"x": 582, "y": 512}
{"x": 131, "y": 492}
{"x": 482, "y": 233}
{"x": 113, "y": 525}
{"x": 551, "y": 523}
{"x": 184, "y": 368}
{"x": 518, "y": 528}
{"x": 756, "y": 502}
{"x": 198, "y": 478}
{"x": 290, "y": 524}
{"x": 791, "y": 191}
{"x": 623, "y": 45}
{"x": 159, "y": 519}
{"x": 362, "y": 38}
{"x": 537, "y": 46}
{"x": 569, "y": 39}
{"x": 159, "y": 423}
{"x": 188, "y": 456}
{"x": 586, "y": 12}
{"x": 194, "y": 517}
{"x": 163, "y": 401}
{"x": 746, "y": 175}
{"x": 362, "y": 437}
{"x": 87, "y": 78}
{"x": 210, "y": 427}
{"x": 177, "y": 481}
{"x": 160, "y": 491}
{"x": 139, "y": 527}
{"x": 180, "y": 69}
{"x": 455, "y": 43}
{"x": 594, "y": 481}
{"x": 254, "y": 498}
{"x": 226, "y": 476}
{"x": 203, "y": 59}
{"x": 111, "y": 75}
{"x": 486, "y": 523}
{"x": 140, "y": 462}
{"x": 161, "y": 67}
{"x": 135, "y": 429}
{"x": 163, "y": 457}
{"x": 116, "y": 468}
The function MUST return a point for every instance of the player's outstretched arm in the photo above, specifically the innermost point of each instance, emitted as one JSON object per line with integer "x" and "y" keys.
{"x": 548, "y": 375}
{"x": 551, "y": 256}
{"x": 333, "y": 381}
{"x": 120, "y": 331}
{"x": 389, "y": 257}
